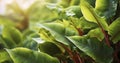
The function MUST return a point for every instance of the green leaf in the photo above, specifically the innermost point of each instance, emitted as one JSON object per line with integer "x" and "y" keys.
{"x": 114, "y": 30}
{"x": 45, "y": 35}
{"x": 6, "y": 21}
{"x": 11, "y": 36}
{"x": 90, "y": 15}
{"x": 75, "y": 2}
{"x": 27, "y": 33}
{"x": 87, "y": 25}
{"x": 3, "y": 43}
{"x": 49, "y": 48}
{"x": 57, "y": 30}
{"x": 64, "y": 3}
{"x": 29, "y": 43}
{"x": 91, "y": 2}
{"x": 51, "y": 1}
{"x": 106, "y": 8}
{"x": 40, "y": 7}
{"x": 97, "y": 50}
{"x": 24, "y": 55}
{"x": 1, "y": 28}
{"x": 76, "y": 10}
{"x": 4, "y": 57}
{"x": 96, "y": 33}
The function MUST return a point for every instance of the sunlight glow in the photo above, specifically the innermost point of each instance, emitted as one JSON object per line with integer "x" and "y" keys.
{"x": 24, "y": 4}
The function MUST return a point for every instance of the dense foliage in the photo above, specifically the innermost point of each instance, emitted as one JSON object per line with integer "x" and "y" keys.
{"x": 65, "y": 31}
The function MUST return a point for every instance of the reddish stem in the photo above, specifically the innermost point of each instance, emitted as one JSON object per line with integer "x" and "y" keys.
{"x": 70, "y": 53}
{"x": 78, "y": 58}
{"x": 106, "y": 37}
{"x": 102, "y": 29}
{"x": 80, "y": 31}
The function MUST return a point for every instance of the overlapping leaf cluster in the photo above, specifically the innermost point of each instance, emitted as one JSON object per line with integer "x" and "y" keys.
{"x": 66, "y": 31}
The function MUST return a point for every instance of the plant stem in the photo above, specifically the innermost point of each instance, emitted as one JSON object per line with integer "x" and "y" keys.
{"x": 70, "y": 53}
{"x": 106, "y": 37}
{"x": 78, "y": 58}
{"x": 102, "y": 29}
{"x": 80, "y": 31}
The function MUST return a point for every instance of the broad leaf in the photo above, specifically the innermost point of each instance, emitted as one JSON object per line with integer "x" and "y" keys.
{"x": 97, "y": 50}
{"x": 114, "y": 30}
{"x": 57, "y": 30}
{"x": 3, "y": 43}
{"x": 45, "y": 35}
{"x": 87, "y": 25}
{"x": 106, "y": 8}
{"x": 24, "y": 55}
{"x": 4, "y": 57}
{"x": 90, "y": 15}
{"x": 29, "y": 43}
{"x": 50, "y": 48}
{"x": 12, "y": 36}
{"x": 96, "y": 33}
{"x": 27, "y": 33}
{"x": 76, "y": 10}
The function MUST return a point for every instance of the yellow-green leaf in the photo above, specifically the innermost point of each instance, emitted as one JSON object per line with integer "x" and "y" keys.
{"x": 58, "y": 31}
{"x": 24, "y": 55}
{"x": 90, "y": 15}
{"x": 114, "y": 30}
{"x": 96, "y": 33}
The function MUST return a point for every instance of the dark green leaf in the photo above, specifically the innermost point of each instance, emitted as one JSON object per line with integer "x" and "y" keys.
{"x": 97, "y": 50}
{"x": 3, "y": 43}
{"x": 27, "y": 33}
{"x": 106, "y": 8}
{"x": 12, "y": 36}
{"x": 49, "y": 48}
{"x": 29, "y": 43}
{"x": 24, "y": 55}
